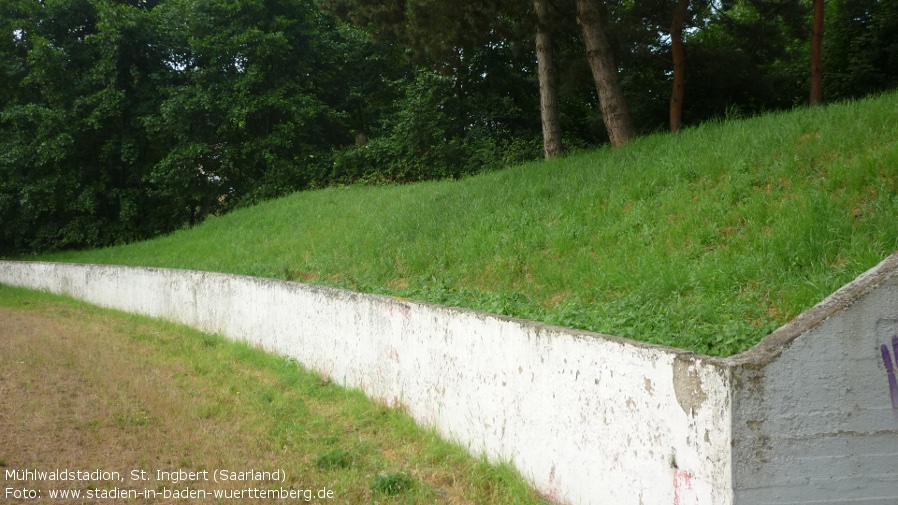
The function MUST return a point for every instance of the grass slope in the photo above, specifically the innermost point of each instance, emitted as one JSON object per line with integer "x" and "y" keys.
{"x": 705, "y": 240}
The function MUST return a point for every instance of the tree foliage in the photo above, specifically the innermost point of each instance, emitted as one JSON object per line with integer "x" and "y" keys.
{"x": 860, "y": 47}
{"x": 124, "y": 119}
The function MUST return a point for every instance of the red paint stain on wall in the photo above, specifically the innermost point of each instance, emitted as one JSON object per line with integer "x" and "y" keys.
{"x": 682, "y": 484}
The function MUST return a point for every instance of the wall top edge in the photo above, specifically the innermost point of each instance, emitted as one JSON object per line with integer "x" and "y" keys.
{"x": 537, "y": 327}
{"x": 771, "y": 346}
{"x": 762, "y": 353}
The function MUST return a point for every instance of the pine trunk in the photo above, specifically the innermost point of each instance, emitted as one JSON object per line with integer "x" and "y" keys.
{"x": 615, "y": 113}
{"x": 817, "y": 55}
{"x": 548, "y": 89}
{"x": 679, "y": 65}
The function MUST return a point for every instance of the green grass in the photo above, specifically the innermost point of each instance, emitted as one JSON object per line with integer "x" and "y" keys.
{"x": 187, "y": 400}
{"x": 705, "y": 240}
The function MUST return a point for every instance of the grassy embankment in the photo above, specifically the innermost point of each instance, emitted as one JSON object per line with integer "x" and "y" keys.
{"x": 84, "y": 388}
{"x": 705, "y": 240}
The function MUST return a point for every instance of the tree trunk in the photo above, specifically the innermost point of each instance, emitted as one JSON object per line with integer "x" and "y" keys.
{"x": 598, "y": 52}
{"x": 817, "y": 55}
{"x": 679, "y": 65}
{"x": 548, "y": 89}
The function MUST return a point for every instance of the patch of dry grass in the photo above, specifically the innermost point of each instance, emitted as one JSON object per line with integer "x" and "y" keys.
{"x": 85, "y": 388}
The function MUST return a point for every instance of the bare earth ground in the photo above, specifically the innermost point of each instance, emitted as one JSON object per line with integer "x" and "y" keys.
{"x": 86, "y": 390}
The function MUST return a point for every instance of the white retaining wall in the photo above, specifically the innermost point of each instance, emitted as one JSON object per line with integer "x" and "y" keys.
{"x": 587, "y": 418}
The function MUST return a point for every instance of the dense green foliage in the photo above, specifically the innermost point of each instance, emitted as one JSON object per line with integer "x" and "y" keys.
{"x": 707, "y": 239}
{"x": 124, "y": 119}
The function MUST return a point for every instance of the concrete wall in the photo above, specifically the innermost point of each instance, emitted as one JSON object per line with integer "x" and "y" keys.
{"x": 813, "y": 418}
{"x": 804, "y": 417}
{"x": 586, "y": 417}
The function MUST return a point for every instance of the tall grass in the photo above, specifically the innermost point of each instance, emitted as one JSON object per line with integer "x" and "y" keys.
{"x": 705, "y": 240}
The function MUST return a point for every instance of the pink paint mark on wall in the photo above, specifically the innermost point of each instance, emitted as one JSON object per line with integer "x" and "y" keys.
{"x": 394, "y": 354}
{"x": 554, "y": 495}
{"x": 402, "y": 309}
{"x": 682, "y": 484}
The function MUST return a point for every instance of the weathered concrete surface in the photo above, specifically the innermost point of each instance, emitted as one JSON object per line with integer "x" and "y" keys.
{"x": 586, "y": 417}
{"x": 813, "y": 421}
{"x": 804, "y": 417}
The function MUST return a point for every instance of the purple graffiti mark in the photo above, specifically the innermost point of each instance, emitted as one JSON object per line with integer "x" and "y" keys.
{"x": 890, "y": 369}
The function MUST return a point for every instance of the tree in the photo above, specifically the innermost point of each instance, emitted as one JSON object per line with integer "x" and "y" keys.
{"x": 861, "y": 47}
{"x": 615, "y": 112}
{"x": 817, "y": 55}
{"x": 123, "y": 119}
{"x": 85, "y": 75}
{"x": 253, "y": 113}
{"x": 484, "y": 52}
{"x": 679, "y": 64}
{"x": 548, "y": 88}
